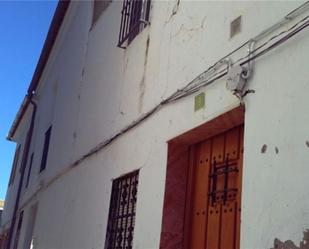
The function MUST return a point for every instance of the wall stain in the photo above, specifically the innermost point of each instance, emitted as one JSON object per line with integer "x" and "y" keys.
{"x": 142, "y": 85}
{"x": 276, "y": 150}
{"x": 176, "y": 8}
{"x": 55, "y": 88}
{"x": 186, "y": 30}
{"x": 289, "y": 244}
{"x": 264, "y": 148}
{"x": 174, "y": 11}
{"x": 203, "y": 22}
{"x": 307, "y": 143}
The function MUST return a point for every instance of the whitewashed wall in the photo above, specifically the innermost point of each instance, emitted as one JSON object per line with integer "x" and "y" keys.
{"x": 91, "y": 89}
{"x": 11, "y": 193}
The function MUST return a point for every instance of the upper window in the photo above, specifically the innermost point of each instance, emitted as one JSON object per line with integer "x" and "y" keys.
{"x": 98, "y": 7}
{"x": 122, "y": 209}
{"x": 13, "y": 172}
{"x": 29, "y": 170}
{"x": 134, "y": 17}
{"x": 45, "y": 149}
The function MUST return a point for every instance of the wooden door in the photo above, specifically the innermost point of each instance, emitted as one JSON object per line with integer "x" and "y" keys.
{"x": 214, "y": 192}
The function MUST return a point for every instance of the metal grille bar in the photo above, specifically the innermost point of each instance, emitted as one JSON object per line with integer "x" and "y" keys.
{"x": 224, "y": 168}
{"x": 134, "y": 17}
{"x": 122, "y": 211}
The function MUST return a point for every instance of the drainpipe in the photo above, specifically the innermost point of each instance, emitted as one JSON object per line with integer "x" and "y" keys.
{"x": 22, "y": 173}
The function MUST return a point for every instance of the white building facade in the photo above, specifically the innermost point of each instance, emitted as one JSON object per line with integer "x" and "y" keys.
{"x": 126, "y": 101}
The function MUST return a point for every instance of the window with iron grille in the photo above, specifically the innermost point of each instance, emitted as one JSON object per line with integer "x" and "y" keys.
{"x": 134, "y": 17}
{"x": 121, "y": 218}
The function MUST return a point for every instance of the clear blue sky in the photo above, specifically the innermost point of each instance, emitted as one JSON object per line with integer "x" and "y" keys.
{"x": 23, "y": 26}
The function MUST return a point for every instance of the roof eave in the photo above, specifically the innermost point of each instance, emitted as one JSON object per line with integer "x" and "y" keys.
{"x": 52, "y": 34}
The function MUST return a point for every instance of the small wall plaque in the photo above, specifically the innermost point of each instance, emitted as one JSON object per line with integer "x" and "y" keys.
{"x": 199, "y": 101}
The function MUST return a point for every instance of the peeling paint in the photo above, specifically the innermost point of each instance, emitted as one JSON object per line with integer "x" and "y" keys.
{"x": 174, "y": 11}
{"x": 176, "y": 8}
{"x": 186, "y": 30}
{"x": 142, "y": 85}
{"x": 264, "y": 148}
{"x": 276, "y": 150}
{"x": 289, "y": 244}
{"x": 203, "y": 22}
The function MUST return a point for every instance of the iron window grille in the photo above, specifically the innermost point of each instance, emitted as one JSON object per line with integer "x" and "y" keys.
{"x": 121, "y": 218}
{"x": 134, "y": 17}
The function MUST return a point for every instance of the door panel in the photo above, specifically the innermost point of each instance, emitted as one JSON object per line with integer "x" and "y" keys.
{"x": 199, "y": 198}
{"x": 215, "y": 190}
{"x": 213, "y": 229}
{"x": 228, "y": 226}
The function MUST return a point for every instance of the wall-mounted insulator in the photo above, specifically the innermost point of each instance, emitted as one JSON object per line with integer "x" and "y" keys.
{"x": 236, "y": 78}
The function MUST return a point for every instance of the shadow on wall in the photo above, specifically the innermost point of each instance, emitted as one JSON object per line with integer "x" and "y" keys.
{"x": 304, "y": 244}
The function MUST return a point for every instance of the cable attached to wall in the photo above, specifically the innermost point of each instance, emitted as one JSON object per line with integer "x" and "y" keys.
{"x": 191, "y": 88}
{"x": 209, "y": 76}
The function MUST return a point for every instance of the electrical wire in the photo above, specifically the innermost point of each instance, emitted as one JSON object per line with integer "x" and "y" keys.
{"x": 301, "y": 22}
{"x": 189, "y": 89}
{"x": 243, "y": 45}
{"x": 297, "y": 9}
{"x": 201, "y": 82}
{"x": 193, "y": 89}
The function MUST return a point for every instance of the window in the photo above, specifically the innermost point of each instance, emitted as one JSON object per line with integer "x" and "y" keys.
{"x": 45, "y": 149}
{"x": 121, "y": 218}
{"x": 28, "y": 238}
{"x": 13, "y": 172}
{"x": 20, "y": 221}
{"x": 98, "y": 7}
{"x": 134, "y": 17}
{"x": 29, "y": 170}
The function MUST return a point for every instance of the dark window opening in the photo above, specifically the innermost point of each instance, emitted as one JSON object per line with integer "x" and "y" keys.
{"x": 121, "y": 218}
{"x": 45, "y": 149}
{"x": 18, "y": 230}
{"x": 134, "y": 17}
{"x": 29, "y": 170}
{"x": 98, "y": 7}
{"x": 15, "y": 162}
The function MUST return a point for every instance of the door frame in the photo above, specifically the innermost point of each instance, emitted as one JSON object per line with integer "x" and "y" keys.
{"x": 174, "y": 218}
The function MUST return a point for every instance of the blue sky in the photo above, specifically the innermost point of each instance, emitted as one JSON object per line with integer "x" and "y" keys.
{"x": 24, "y": 26}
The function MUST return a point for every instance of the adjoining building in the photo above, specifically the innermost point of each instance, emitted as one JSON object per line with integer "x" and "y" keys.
{"x": 1, "y": 209}
{"x": 164, "y": 124}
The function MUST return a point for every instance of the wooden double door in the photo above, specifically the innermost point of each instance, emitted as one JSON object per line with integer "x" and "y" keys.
{"x": 214, "y": 192}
